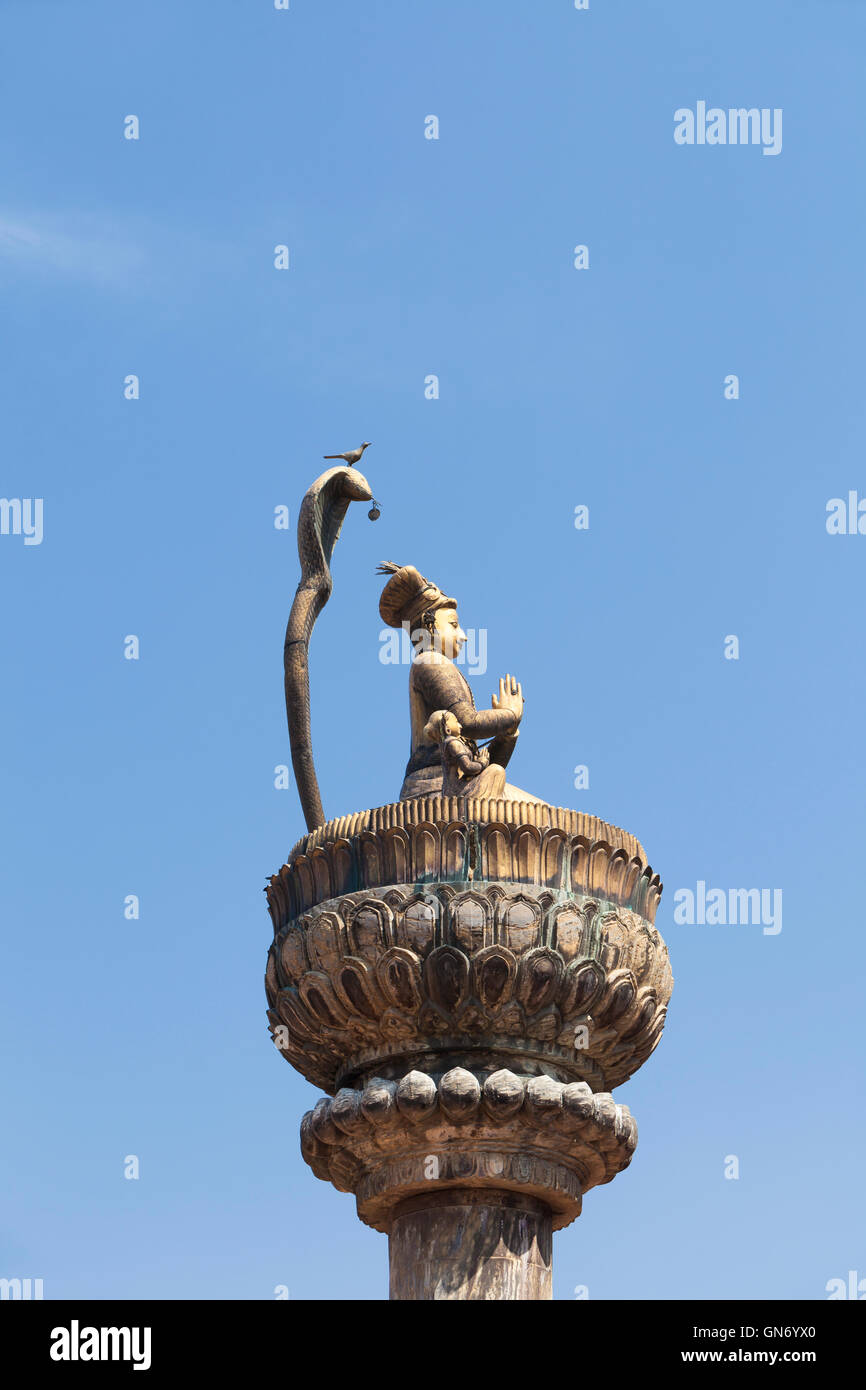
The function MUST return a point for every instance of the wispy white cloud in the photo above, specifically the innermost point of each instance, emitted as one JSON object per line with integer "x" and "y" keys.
{"x": 72, "y": 247}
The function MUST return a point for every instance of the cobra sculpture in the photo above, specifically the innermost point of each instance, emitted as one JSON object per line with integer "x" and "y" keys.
{"x": 322, "y": 513}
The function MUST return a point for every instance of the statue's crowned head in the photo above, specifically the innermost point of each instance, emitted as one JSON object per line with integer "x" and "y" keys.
{"x": 413, "y": 602}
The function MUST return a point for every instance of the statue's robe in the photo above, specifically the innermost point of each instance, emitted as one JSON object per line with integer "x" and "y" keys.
{"x": 435, "y": 683}
{"x": 469, "y": 772}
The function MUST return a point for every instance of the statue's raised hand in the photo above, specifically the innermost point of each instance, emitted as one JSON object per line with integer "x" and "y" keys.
{"x": 510, "y": 697}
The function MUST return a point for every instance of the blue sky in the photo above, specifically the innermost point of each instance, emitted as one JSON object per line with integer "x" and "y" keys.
{"x": 558, "y": 387}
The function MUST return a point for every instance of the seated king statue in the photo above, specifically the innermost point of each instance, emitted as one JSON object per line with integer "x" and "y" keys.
{"x": 411, "y": 602}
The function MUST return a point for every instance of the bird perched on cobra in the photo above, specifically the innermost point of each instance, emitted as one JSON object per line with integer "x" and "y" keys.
{"x": 352, "y": 456}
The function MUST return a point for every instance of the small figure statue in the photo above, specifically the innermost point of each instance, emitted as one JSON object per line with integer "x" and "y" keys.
{"x": 467, "y": 768}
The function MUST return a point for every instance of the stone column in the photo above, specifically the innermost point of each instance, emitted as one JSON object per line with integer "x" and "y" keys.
{"x": 465, "y": 1244}
{"x": 467, "y": 982}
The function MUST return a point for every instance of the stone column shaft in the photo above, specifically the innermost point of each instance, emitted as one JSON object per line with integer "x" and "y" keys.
{"x": 471, "y": 1245}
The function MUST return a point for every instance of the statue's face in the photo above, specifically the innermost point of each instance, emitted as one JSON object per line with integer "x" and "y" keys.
{"x": 450, "y": 636}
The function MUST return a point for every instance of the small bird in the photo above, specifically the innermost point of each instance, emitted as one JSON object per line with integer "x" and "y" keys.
{"x": 353, "y": 456}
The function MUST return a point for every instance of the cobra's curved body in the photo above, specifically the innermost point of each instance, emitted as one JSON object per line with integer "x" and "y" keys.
{"x": 321, "y": 517}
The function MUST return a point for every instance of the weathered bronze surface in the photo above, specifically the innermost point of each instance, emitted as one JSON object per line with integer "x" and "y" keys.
{"x": 467, "y": 972}
{"x": 321, "y": 518}
{"x": 438, "y": 686}
{"x": 386, "y": 949}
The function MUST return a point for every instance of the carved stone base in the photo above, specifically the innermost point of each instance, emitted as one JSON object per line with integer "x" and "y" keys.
{"x": 425, "y": 944}
{"x": 535, "y": 1136}
{"x": 468, "y": 980}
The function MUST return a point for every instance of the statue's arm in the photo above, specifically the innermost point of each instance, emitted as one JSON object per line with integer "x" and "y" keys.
{"x": 470, "y": 767}
{"x": 501, "y": 748}
{"x": 484, "y": 723}
{"x": 442, "y": 688}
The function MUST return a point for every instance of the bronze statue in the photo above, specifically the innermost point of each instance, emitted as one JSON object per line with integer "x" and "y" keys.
{"x": 435, "y": 683}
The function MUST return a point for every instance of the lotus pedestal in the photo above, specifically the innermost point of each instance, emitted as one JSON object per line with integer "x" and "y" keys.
{"x": 468, "y": 981}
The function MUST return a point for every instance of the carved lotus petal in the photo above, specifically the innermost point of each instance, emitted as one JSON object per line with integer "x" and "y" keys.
{"x": 620, "y": 995}
{"x": 446, "y": 977}
{"x": 605, "y": 1112}
{"x": 539, "y": 978}
{"x": 571, "y": 933}
{"x": 459, "y": 1094}
{"x": 646, "y": 1010}
{"x": 503, "y": 1094}
{"x": 318, "y": 995}
{"x": 577, "y": 1103}
{"x": 368, "y": 930}
{"x": 272, "y": 984}
{"x": 399, "y": 977}
{"x": 494, "y": 971}
{"x": 379, "y": 1100}
{"x": 543, "y": 1099}
{"x": 355, "y": 985}
{"x": 293, "y": 955}
{"x": 322, "y": 1122}
{"x": 346, "y": 1111}
{"x": 416, "y": 1095}
{"x": 471, "y": 921}
{"x": 292, "y": 1012}
{"x": 419, "y": 925}
{"x": 583, "y": 983}
{"x": 324, "y": 941}
{"x": 520, "y": 924}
